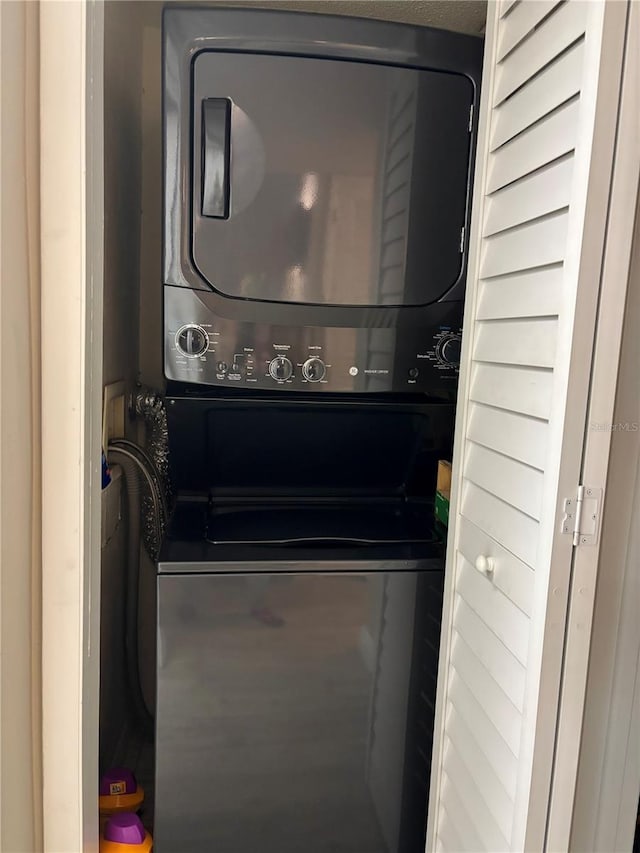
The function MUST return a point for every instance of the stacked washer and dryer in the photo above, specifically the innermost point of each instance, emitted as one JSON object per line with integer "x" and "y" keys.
{"x": 316, "y": 217}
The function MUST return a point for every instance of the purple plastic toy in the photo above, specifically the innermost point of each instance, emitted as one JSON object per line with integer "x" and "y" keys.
{"x": 125, "y": 828}
{"x": 120, "y": 777}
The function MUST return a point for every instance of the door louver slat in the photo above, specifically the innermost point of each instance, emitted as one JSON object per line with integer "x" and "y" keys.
{"x": 526, "y": 247}
{"x": 506, "y": 7}
{"x": 559, "y": 82}
{"x": 557, "y": 33}
{"x": 545, "y": 191}
{"x": 505, "y": 478}
{"x": 468, "y": 831}
{"x": 522, "y": 341}
{"x": 490, "y": 698}
{"x": 524, "y": 18}
{"x": 510, "y": 433}
{"x": 473, "y": 802}
{"x": 450, "y": 835}
{"x": 515, "y": 530}
{"x": 494, "y": 748}
{"x": 499, "y": 803}
{"x": 494, "y": 655}
{"x": 551, "y": 137}
{"x": 496, "y": 609}
{"x": 523, "y": 294}
{"x": 513, "y": 578}
{"x": 519, "y": 389}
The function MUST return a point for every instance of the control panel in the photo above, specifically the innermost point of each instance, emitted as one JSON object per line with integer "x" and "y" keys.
{"x": 203, "y": 349}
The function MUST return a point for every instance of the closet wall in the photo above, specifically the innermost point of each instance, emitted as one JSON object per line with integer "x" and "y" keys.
{"x": 122, "y": 193}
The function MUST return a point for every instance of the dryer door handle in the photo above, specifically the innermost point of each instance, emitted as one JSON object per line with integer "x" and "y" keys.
{"x": 216, "y": 124}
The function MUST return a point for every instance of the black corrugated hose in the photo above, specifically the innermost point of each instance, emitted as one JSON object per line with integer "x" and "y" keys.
{"x": 136, "y": 465}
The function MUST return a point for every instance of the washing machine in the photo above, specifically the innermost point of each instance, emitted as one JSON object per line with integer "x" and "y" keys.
{"x": 299, "y": 598}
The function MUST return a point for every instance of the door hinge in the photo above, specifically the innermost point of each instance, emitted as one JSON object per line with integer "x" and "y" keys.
{"x": 462, "y": 233}
{"x": 581, "y": 515}
{"x": 470, "y": 118}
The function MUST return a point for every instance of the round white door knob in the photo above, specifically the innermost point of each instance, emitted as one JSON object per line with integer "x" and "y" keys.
{"x": 485, "y": 564}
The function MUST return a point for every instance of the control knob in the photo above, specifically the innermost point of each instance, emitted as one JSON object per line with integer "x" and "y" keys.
{"x": 192, "y": 340}
{"x": 314, "y": 369}
{"x": 450, "y": 351}
{"x": 281, "y": 368}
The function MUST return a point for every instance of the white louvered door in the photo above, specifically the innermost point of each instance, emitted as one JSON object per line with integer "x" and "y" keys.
{"x": 543, "y": 174}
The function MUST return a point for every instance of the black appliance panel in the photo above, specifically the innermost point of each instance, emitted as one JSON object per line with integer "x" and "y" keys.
{"x": 346, "y": 185}
{"x": 283, "y": 447}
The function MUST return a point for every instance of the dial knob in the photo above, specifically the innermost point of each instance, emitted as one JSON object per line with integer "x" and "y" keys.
{"x": 192, "y": 340}
{"x": 281, "y": 368}
{"x": 450, "y": 351}
{"x": 314, "y": 369}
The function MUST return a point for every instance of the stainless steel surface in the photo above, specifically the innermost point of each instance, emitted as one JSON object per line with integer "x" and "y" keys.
{"x": 245, "y": 35}
{"x": 283, "y": 713}
{"x": 198, "y": 565}
{"x": 353, "y": 172}
{"x": 355, "y": 359}
{"x": 348, "y": 204}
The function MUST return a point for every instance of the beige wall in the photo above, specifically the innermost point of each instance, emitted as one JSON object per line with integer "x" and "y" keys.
{"x": 20, "y": 577}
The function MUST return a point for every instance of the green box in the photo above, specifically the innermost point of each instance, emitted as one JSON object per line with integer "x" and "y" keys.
{"x": 442, "y": 508}
{"x": 443, "y": 492}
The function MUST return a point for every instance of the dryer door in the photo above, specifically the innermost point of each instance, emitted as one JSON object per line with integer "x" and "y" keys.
{"x": 328, "y": 182}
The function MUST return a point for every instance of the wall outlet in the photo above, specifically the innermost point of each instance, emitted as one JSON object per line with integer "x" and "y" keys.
{"x": 113, "y": 412}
